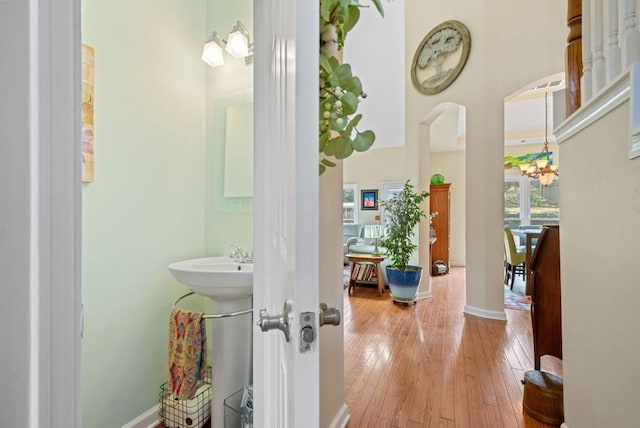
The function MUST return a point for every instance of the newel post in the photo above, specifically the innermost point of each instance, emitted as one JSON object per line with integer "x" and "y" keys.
{"x": 573, "y": 64}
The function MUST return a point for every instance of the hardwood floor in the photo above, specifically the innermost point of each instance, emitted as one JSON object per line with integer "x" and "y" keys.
{"x": 430, "y": 365}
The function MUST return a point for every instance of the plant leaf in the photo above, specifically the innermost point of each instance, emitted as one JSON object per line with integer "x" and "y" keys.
{"x": 352, "y": 124}
{"x": 346, "y": 151}
{"x": 336, "y": 145}
{"x": 352, "y": 19}
{"x": 325, "y": 64}
{"x": 325, "y": 9}
{"x": 343, "y": 73}
{"x": 364, "y": 140}
{"x": 378, "y": 6}
{"x": 349, "y": 103}
{"x": 353, "y": 85}
{"x": 322, "y": 169}
{"x": 334, "y": 62}
{"x": 327, "y": 162}
{"x": 333, "y": 123}
{"x": 324, "y": 140}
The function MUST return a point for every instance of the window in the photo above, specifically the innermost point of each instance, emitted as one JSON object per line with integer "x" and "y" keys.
{"x": 350, "y": 203}
{"x": 389, "y": 190}
{"x": 527, "y": 202}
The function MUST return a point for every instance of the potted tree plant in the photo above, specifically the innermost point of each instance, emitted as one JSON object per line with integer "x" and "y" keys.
{"x": 403, "y": 213}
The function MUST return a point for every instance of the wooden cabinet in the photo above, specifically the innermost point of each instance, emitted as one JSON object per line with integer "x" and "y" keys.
{"x": 546, "y": 312}
{"x": 440, "y": 201}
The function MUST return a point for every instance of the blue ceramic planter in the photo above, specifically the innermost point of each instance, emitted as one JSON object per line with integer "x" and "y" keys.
{"x": 404, "y": 283}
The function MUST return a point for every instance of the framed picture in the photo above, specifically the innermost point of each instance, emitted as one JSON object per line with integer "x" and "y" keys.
{"x": 369, "y": 199}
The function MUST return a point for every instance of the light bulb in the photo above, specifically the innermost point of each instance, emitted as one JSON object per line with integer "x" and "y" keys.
{"x": 546, "y": 179}
{"x": 237, "y": 43}
{"x": 212, "y": 53}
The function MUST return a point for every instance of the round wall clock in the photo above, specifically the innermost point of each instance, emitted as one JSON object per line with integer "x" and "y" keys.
{"x": 440, "y": 57}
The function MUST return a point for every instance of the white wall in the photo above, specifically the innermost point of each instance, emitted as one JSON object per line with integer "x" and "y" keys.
{"x": 15, "y": 212}
{"x": 498, "y": 66}
{"x": 146, "y": 207}
{"x": 372, "y": 168}
{"x": 599, "y": 235}
{"x": 375, "y": 50}
{"x": 507, "y": 52}
{"x": 331, "y": 292}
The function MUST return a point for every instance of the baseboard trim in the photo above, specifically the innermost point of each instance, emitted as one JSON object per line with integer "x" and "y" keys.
{"x": 342, "y": 417}
{"x": 483, "y": 313}
{"x": 148, "y": 419}
{"x": 424, "y": 295}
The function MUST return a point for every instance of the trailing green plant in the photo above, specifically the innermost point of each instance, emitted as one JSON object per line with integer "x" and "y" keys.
{"x": 403, "y": 213}
{"x": 340, "y": 91}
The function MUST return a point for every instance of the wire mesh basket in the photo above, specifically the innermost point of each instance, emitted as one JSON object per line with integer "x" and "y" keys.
{"x": 192, "y": 413}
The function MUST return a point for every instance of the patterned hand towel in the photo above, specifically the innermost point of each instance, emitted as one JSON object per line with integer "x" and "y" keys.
{"x": 187, "y": 352}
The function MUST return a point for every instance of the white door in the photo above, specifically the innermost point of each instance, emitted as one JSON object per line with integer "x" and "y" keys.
{"x": 286, "y": 213}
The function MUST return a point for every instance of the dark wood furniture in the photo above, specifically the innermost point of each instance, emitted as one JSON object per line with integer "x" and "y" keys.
{"x": 364, "y": 260}
{"x": 546, "y": 314}
{"x": 543, "y": 397}
{"x": 529, "y": 237}
{"x": 440, "y": 201}
{"x": 543, "y": 392}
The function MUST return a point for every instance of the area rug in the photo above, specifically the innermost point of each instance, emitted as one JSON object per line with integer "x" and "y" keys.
{"x": 512, "y": 300}
{"x": 516, "y": 301}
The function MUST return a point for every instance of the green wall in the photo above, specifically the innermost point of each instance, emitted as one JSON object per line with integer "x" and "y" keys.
{"x": 146, "y": 207}
{"x": 229, "y": 221}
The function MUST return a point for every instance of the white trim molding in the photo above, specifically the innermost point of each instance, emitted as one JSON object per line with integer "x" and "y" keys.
{"x": 56, "y": 211}
{"x": 564, "y": 425}
{"x": 483, "y": 313}
{"x": 424, "y": 294}
{"x": 341, "y": 418}
{"x": 634, "y": 112}
{"x": 148, "y": 419}
{"x": 602, "y": 103}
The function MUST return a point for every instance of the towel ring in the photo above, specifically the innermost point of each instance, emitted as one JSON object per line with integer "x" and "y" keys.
{"x": 216, "y": 316}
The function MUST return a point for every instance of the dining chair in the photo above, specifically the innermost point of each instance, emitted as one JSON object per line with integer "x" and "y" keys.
{"x": 514, "y": 259}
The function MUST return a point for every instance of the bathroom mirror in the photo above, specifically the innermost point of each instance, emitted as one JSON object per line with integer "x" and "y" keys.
{"x": 238, "y": 151}
{"x": 230, "y": 154}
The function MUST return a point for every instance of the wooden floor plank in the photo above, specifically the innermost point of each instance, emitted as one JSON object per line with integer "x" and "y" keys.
{"x": 431, "y": 365}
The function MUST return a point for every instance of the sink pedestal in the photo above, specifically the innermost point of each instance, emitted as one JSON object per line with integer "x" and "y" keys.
{"x": 231, "y": 359}
{"x": 229, "y": 285}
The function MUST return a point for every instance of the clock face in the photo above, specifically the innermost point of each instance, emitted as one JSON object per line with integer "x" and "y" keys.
{"x": 440, "y": 57}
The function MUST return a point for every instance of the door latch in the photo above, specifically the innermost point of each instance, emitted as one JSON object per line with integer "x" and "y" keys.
{"x": 308, "y": 332}
{"x": 280, "y": 321}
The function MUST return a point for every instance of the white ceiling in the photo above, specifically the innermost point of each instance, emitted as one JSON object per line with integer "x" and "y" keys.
{"x": 524, "y": 117}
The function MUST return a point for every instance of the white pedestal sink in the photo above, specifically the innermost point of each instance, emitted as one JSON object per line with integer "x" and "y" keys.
{"x": 230, "y": 286}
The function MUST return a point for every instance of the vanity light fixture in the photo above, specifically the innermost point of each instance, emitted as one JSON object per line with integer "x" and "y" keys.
{"x": 542, "y": 168}
{"x": 237, "y": 45}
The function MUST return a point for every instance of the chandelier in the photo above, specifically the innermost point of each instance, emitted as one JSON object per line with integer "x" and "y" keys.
{"x": 541, "y": 168}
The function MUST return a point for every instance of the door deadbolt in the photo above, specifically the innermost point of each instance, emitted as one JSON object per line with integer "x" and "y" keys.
{"x": 329, "y": 316}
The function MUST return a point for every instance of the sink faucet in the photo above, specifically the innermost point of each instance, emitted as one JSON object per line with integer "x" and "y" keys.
{"x": 238, "y": 255}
